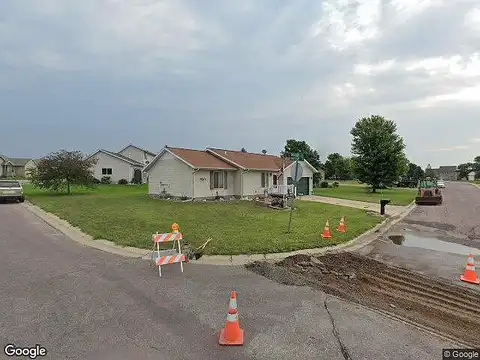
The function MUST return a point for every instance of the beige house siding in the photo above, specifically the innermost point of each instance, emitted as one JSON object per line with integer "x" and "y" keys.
{"x": 120, "y": 169}
{"x": 252, "y": 182}
{"x": 137, "y": 155}
{"x": 29, "y": 167}
{"x": 202, "y": 184}
{"x": 172, "y": 175}
{"x": 238, "y": 182}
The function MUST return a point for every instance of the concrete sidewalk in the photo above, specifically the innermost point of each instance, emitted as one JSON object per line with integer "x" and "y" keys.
{"x": 391, "y": 210}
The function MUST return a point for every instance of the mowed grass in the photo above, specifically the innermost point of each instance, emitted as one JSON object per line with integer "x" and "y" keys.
{"x": 129, "y": 217}
{"x": 397, "y": 196}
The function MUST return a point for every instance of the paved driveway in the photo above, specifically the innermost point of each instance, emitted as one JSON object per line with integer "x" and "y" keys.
{"x": 82, "y": 303}
{"x": 439, "y": 238}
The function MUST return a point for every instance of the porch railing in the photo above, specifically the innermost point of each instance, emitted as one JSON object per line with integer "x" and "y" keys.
{"x": 282, "y": 190}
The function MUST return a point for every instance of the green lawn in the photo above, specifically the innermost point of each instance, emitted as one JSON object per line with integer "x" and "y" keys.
{"x": 398, "y": 196}
{"x": 127, "y": 216}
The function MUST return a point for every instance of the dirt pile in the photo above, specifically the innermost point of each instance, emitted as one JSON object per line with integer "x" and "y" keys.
{"x": 443, "y": 307}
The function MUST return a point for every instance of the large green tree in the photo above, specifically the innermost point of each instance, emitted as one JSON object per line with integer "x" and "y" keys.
{"x": 293, "y": 146}
{"x": 464, "y": 170}
{"x": 379, "y": 157}
{"x": 413, "y": 174}
{"x": 338, "y": 167}
{"x": 61, "y": 169}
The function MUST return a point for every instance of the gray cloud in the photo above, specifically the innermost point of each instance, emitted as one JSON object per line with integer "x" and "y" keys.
{"x": 245, "y": 74}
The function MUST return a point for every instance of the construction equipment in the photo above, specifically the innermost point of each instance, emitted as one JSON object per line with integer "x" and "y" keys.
{"x": 428, "y": 192}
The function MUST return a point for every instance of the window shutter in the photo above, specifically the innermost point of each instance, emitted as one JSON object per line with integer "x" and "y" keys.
{"x": 263, "y": 180}
{"x": 225, "y": 176}
{"x": 211, "y": 180}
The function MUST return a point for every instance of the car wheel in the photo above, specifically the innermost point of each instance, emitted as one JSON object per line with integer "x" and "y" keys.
{"x": 21, "y": 199}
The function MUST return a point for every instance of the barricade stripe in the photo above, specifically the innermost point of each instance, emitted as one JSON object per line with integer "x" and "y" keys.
{"x": 170, "y": 259}
{"x": 167, "y": 237}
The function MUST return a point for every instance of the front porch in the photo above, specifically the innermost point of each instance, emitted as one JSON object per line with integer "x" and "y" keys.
{"x": 287, "y": 190}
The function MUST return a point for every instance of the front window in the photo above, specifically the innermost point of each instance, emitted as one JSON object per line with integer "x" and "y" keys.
{"x": 218, "y": 180}
{"x": 106, "y": 171}
{"x": 9, "y": 184}
{"x": 264, "y": 180}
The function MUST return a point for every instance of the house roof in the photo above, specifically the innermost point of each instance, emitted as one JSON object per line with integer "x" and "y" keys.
{"x": 118, "y": 156}
{"x": 139, "y": 148}
{"x": 19, "y": 161}
{"x": 250, "y": 161}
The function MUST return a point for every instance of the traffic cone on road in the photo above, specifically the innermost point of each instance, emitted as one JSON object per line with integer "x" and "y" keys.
{"x": 341, "y": 226}
{"x": 470, "y": 274}
{"x": 326, "y": 231}
{"x": 233, "y": 300}
{"x": 231, "y": 334}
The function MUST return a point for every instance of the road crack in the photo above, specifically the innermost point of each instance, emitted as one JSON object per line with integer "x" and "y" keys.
{"x": 343, "y": 349}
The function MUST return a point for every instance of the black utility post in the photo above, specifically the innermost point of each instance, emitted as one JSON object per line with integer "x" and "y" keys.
{"x": 297, "y": 157}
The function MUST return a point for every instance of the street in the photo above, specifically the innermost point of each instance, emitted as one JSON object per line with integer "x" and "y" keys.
{"x": 82, "y": 303}
{"x": 439, "y": 238}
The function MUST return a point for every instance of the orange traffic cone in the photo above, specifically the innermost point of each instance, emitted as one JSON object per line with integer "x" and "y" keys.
{"x": 470, "y": 274}
{"x": 233, "y": 300}
{"x": 326, "y": 231}
{"x": 231, "y": 334}
{"x": 341, "y": 226}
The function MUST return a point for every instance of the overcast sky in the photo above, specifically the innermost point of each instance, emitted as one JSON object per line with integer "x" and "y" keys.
{"x": 88, "y": 74}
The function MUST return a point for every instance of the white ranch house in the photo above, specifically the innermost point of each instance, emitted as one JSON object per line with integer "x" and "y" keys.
{"x": 201, "y": 174}
{"x": 126, "y": 164}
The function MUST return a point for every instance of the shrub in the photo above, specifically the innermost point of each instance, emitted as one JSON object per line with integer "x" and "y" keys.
{"x": 324, "y": 184}
{"x": 105, "y": 180}
{"x": 135, "y": 181}
{"x": 96, "y": 181}
{"x": 122, "y": 182}
{"x": 335, "y": 184}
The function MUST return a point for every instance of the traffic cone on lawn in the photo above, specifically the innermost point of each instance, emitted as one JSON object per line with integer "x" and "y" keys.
{"x": 470, "y": 274}
{"x": 341, "y": 226}
{"x": 326, "y": 231}
{"x": 231, "y": 334}
{"x": 232, "y": 304}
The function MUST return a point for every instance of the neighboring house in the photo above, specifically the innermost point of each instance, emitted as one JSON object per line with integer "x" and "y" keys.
{"x": 214, "y": 172}
{"x": 138, "y": 154}
{"x": 448, "y": 173}
{"x": 116, "y": 167}
{"x": 471, "y": 176}
{"x": 16, "y": 167}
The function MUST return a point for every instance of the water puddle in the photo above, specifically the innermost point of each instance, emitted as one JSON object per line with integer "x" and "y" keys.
{"x": 432, "y": 244}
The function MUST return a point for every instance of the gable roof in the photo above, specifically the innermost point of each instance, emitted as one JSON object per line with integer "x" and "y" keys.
{"x": 447, "y": 168}
{"x": 250, "y": 161}
{"x": 196, "y": 159}
{"x": 136, "y": 147}
{"x": 118, "y": 156}
{"x": 290, "y": 162}
{"x": 19, "y": 161}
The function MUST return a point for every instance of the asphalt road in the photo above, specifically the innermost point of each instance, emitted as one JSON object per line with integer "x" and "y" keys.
{"x": 82, "y": 303}
{"x": 440, "y": 237}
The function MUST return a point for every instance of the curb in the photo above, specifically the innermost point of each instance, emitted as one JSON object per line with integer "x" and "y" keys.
{"x": 354, "y": 244}
{"x": 221, "y": 260}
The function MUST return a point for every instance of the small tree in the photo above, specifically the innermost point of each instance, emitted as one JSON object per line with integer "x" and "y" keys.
{"x": 60, "y": 170}
{"x": 264, "y": 151}
{"x": 379, "y": 157}
{"x": 243, "y": 150}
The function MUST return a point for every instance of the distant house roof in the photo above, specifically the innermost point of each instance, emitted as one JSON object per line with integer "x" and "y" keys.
{"x": 447, "y": 168}
{"x": 139, "y": 148}
{"x": 19, "y": 161}
{"x": 250, "y": 161}
{"x": 118, "y": 156}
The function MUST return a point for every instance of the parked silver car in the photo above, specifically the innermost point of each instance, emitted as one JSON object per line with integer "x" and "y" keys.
{"x": 11, "y": 190}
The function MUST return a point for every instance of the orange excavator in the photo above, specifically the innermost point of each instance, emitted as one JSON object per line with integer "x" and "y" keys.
{"x": 428, "y": 192}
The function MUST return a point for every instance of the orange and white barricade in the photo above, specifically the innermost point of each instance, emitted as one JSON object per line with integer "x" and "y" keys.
{"x": 166, "y": 257}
